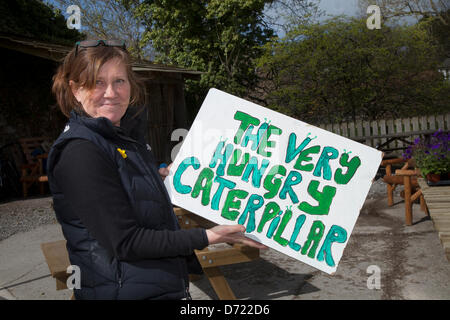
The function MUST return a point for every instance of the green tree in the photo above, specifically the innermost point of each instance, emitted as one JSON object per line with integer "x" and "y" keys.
{"x": 111, "y": 19}
{"x": 340, "y": 70}
{"x": 393, "y": 9}
{"x": 441, "y": 32}
{"x": 34, "y": 19}
{"x": 219, "y": 37}
{"x": 283, "y": 15}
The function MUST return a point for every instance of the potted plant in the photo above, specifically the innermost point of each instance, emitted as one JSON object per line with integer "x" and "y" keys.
{"x": 431, "y": 155}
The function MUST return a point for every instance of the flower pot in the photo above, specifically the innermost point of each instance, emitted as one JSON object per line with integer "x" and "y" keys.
{"x": 433, "y": 177}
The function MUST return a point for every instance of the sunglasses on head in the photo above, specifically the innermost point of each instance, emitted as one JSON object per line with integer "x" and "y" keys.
{"x": 96, "y": 43}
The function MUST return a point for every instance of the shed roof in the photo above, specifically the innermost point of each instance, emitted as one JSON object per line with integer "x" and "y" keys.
{"x": 56, "y": 52}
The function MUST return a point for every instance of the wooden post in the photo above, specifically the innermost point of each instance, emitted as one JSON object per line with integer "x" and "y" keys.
{"x": 374, "y": 126}
{"x": 408, "y": 202}
{"x": 212, "y": 260}
{"x": 390, "y": 187}
{"x": 423, "y": 205}
{"x": 391, "y": 130}
{"x": 219, "y": 284}
{"x": 367, "y": 133}
{"x": 432, "y": 122}
{"x": 336, "y": 128}
{"x": 391, "y": 181}
{"x": 382, "y": 131}
{"x": 344, "y": 130}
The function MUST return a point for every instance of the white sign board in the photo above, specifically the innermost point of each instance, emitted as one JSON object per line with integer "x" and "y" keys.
{"x": 295, "y": 187}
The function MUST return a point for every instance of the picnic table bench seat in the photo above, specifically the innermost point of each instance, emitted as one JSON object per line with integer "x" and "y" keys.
{"x": 210, "y": 258}
{"x": 33, "y": 171}
{"x": 438, "y": 203}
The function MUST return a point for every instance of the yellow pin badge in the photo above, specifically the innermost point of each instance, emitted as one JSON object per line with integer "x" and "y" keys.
{"x": 122, "y": 153}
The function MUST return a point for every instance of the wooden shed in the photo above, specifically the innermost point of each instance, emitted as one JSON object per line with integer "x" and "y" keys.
{"x": 24, "y": 59}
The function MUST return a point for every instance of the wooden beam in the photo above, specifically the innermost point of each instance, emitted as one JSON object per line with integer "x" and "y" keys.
{"x": 222, "y": 257}
{"x": 219, "y": 283}
{"x": 416, "y": 195}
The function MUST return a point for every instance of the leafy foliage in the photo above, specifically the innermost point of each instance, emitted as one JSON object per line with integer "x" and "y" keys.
{"x": 34, "y": 19}
{"x": 393, "y": 9}
{"x": 111, "y": 19}
{"x": 219, "y": 37}
{"x": 26, "y": 100}
{"x": 441, "y": 31}
{"x": 340, "y": 70}
{"x": 431, "y": 155}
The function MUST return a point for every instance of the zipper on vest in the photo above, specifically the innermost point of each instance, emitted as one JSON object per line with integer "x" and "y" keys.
{"x": 119, "y": 269}
{"x": 187, "y": 295}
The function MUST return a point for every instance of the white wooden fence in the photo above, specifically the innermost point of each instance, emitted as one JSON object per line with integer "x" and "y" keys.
{"x": 375, "y": 133}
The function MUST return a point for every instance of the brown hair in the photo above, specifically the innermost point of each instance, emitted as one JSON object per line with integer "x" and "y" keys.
{"x": 83, "y": 67}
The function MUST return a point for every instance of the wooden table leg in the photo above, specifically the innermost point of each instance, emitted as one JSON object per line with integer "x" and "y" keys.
{"x": 219, "y": 284}
{"x": 423, "y": 205}
{"x": 390, "y": 187}
{"x": 408, "y": 202}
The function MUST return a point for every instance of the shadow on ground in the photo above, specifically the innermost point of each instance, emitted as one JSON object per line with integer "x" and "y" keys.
{"x": 259, "y": 280}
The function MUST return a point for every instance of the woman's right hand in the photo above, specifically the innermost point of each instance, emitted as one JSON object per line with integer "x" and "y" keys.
{"x": 231, "y": 234}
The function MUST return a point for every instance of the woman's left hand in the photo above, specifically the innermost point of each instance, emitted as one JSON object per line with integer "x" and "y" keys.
{"x": 231, "y": 234}
{"x": 164, "y": 172}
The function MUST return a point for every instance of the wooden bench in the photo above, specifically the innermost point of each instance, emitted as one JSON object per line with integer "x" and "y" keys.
{"x": 33, "y": 170}
{"x": 57, "y": 259}
{"x": 407, "y": 178}
{"x": 210, "y": 258}
{"x": 213, "y": 257}
{"x": 438, "y": 203}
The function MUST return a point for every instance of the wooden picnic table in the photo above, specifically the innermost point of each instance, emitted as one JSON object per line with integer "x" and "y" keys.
{"x": 210, "y": 258}
{"x": 57, "y": 258}
{"x": 438, "y": 202}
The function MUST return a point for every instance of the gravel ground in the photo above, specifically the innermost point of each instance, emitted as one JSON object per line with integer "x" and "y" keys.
{"x": 24, "y": 215}
{"x": 378, "y": 189}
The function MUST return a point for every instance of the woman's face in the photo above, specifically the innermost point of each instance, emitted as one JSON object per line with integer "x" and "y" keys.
{"x": 110, "y": 97}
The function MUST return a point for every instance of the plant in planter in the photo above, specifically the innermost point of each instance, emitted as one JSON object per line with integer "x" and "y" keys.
{"x": 432, "y": 155}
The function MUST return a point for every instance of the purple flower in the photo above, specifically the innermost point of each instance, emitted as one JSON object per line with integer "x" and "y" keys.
{"x": 437, "y": 133}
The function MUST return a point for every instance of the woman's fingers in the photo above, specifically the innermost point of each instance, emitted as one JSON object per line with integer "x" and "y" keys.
{"x": 242, "y": 239}
{"x": 233, "y": 234}
{"x": 164, "y": 171}
{"x": 234, "y": 228}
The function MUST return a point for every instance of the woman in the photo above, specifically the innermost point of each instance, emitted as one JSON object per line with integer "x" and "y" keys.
{"x": 108, "y": 194}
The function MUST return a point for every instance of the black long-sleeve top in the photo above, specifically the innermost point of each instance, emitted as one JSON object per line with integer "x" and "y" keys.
{"x": 92, "y": 186}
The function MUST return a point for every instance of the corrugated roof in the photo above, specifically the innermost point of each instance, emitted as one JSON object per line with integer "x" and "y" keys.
{"x": 56, "y": 52}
